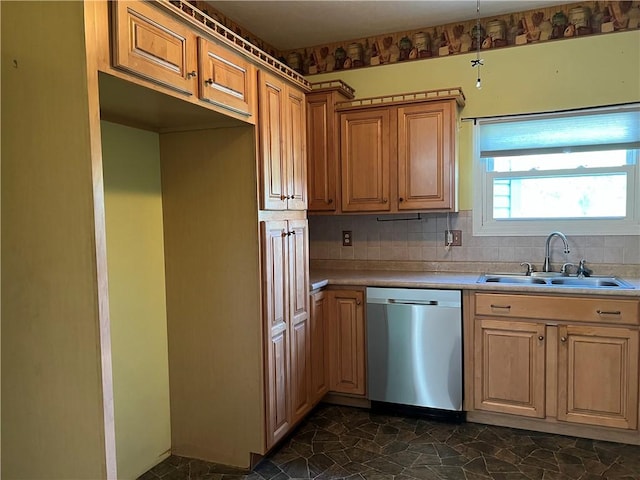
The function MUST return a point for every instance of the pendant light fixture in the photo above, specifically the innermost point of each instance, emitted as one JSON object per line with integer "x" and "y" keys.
{"x": 477, "y": 62}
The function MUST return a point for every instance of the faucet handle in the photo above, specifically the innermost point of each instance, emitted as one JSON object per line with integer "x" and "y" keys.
{"x": 582, "y": 270}
{"x": 565, "y": 267}
{"x": 530, "y": 268}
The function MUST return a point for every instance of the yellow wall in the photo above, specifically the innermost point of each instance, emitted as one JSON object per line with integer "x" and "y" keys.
{"x": 587, "y": 71}
{"x": 53, "y": 422}
{"x": 213, "y": 293}
{"x": 135, "y": 255}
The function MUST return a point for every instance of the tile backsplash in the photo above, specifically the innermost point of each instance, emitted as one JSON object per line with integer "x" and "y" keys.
{"x": 377, "y": 240}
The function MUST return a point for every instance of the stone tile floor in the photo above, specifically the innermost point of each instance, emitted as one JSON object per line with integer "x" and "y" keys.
{"x": 349, "y": 443}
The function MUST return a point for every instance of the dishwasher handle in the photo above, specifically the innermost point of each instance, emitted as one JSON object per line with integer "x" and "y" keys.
{"x": 413, "y": 302}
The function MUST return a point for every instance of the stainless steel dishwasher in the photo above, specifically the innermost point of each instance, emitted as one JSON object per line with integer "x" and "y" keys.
{"x": 414, "y": 347}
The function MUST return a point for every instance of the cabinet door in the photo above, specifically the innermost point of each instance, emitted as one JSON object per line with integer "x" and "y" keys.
{"x": 509, "y": 363}
{"x": 272, "y": 146}
{"x": 296, "y": 152}
{"x": 598, "y": 376}
{"x": 298, "y": 286}
{"x": 276, "y": 318}
{"x": 426, "y": 156}
{"x": 150, "y": 45}
{"x": 226, "y": 79}
{"x": 319, "y": 355}
{"x": 347, "y": 342}
{"x": 364, "y": 152}
{"x": 321, "y": 153}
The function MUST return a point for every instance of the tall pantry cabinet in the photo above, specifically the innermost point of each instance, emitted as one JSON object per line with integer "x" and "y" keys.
{"x": 285, "y": 256}
{"x": 58, "y": 402}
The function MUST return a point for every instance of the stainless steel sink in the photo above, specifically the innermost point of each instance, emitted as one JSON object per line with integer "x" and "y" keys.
{"x": 590, "y": 282}
{"x": 515, "y": 278}
{"x": 555, "y": 281}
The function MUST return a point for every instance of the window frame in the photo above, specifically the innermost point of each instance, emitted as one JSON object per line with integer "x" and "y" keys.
{"x": 485, "y": 225}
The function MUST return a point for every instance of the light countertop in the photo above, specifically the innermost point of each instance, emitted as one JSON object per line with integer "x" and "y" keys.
{"x": 452, "y": 281}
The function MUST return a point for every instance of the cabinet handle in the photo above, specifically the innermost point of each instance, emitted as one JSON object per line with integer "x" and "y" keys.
{"x": 208, "y": 81}
{"x": 563, "y": 339}
{"x": 604, "y": 312}
{"x": 541, "y": 337}
{"x": 192, "y": 74}
{"x": 502, "y": 307}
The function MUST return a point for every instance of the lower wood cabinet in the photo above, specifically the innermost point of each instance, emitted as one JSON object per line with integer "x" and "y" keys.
{"x": 287, "y": 330}
{"x": 319, "y": 319}
{"x": 598, "y": 376}
{"x": 562, "y": 368}
{"x": 347, "y": 350}
{"x": 510, "y": 367}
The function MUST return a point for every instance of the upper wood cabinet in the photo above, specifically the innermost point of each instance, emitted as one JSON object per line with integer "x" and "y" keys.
{"x": 282, "y": 145}
{"x": 399, "y": 158}
{"x": 365, "y": 152}
{"x": 426, "y": 152}
{"x": 149, "y": 44}
{"x": 322, "y": 145}
{"x": 226, "y": 79}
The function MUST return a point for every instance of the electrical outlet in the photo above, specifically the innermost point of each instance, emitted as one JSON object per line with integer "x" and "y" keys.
{"x": 347, "y": 238}
{"x": 453, "y": 238}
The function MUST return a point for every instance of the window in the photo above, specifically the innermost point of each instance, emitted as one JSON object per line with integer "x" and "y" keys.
{"x": 572, "y": 171}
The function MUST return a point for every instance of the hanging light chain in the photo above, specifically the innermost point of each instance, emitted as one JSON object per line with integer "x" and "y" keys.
{"x": 477, "y": 62}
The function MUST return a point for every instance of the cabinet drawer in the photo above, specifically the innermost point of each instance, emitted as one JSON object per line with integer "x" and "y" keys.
{"x": 153, "y": 46}
{"x": 601, "y": 310}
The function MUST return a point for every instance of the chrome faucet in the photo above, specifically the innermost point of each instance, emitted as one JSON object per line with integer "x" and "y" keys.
{"x": 546, "y": 266}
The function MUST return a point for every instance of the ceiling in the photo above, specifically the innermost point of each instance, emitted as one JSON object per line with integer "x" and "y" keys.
{"x": 288, "y": 25}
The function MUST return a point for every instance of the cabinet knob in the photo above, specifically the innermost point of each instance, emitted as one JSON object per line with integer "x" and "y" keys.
{"x": 293, "y": 232}
{"x": 192, "y": 74}
{"x": 330, "y": 200}
{"x": 283, "y": 197}
{"x": 358, "y": 302}
{"x": 563, "y": 339}
{"x": 385, "y": 200}
{"x": 541, "y": 338}
{"x": 401, "y": 199}
{"x": 208, "y": 81}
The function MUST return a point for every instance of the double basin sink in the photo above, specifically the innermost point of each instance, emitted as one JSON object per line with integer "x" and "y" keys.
{"x": 557, "y": 280}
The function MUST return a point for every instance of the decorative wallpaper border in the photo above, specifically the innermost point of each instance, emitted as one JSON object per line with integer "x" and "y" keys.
{"x": 514, "y": 29}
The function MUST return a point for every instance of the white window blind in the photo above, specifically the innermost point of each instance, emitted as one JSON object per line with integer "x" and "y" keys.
{"x": 561, "y": 133}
